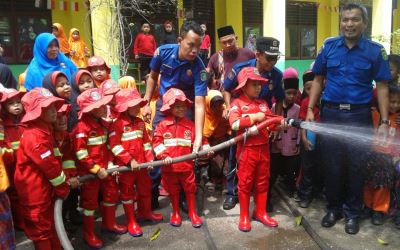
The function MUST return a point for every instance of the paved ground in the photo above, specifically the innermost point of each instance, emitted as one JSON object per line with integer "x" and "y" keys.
{"x": 220, "y": 231}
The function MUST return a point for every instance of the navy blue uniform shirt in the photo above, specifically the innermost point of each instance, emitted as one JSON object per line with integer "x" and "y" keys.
{"x": 272, "y": 89}
{"x": 349, "y": 72}
{"x": 188, "y": 76}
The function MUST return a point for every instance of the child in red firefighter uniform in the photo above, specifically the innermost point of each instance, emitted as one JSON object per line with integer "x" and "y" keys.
{"x": 173, "y": 137}
{"x": 253, "y": 155}
{"x": 39, "y": 178}
{"x": 90, "y": 143}
{"x": 131, "y": 146}
{"x": 12, "y": 113}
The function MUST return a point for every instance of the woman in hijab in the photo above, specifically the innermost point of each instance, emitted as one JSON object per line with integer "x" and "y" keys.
{"x": 6, "y": 77}
{"x": 58, "y": 31}
{"x": 47, "y": 58}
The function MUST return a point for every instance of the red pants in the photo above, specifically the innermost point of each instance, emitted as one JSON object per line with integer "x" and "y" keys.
{"x": 90, "y": 192}
{"x": 142, "y": 181}
{"x": 253, "y": 170}
{"x": 174, "y": 181}
{"x": 39, "y": 223}
{"x": 378, "y": 199}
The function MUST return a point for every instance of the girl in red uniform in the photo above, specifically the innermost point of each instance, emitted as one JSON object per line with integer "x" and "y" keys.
{"x": 99, "y": 69}
{"x": 12, "y": 113}
{"x": 253, "y": 156}
{"x": 174, "y": 136}
{"x": 90, "y": 143}
{"x": 144, "y": 48}
{"x": 39, "y": 177}
{"x": 131, "y": 146}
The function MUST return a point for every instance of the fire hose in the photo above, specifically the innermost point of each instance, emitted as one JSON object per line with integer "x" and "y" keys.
{"x": 270, "y": 123}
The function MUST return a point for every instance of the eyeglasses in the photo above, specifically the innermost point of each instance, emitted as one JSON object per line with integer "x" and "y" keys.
{"x": 272, "y": 58}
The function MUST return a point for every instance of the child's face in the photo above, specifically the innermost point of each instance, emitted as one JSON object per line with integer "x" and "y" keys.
{"x": 134, "y": 111}
{"x": 99, "y": 73}
{"x": 394, "y": 103}
{"x": 49, "y": 114}
{"x": 203, "y": 27}
{"x": 252, "y": 88}
{"x": 75, "y": 35}
{"x": 54, "y": 31}
{"x": 99, "y": 112}
{"x": 63, "y": 88}
{"x": 146, "y": 28}
{"x": 179, "y": 109}
{"x": 85, "y": 83}
{"x": 14, "y": 106}
{"x": 394, "y": 73}
{"x": 290, "y": 95}
{"x": 307, "y": 87}
{"x": 61, "y": 123}
{"x": 168, "y": 27}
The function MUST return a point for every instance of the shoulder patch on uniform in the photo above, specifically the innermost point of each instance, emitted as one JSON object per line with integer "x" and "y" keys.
{"x": 203, "y": 75}
{"x": 231, "y": 75}
{"x": 384, "y": 54}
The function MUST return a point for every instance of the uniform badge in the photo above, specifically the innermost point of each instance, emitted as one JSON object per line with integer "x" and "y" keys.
{"x": 203, "y": 75}
{"x": 187, "y": 134}
{"x": 45, "y": 92}
{"x": 245, "y": 108}
{"x": 95, "y": 96}
{"x": 127, "y": 129}
{"x": 384, "y": 54}
{"x": 189, "y": 72}
{"x": 62, "y": 65}
{"x": 167, "y": 135}
{"x": 263, "y": 108}
{"x": 92, "y": 133}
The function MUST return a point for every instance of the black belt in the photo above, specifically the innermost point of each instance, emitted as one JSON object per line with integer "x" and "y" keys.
{"x": 345, "y": 106}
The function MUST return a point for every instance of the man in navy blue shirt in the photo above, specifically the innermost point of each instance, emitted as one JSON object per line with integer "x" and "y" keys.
{"x": 179, "y": 66}
{"x": 267, "y": 54}
{"x": 349, "y": 63}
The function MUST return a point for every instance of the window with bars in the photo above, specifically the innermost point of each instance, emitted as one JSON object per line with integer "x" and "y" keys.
{"x": 252, "y": 22}
{"x": 20, "y": 22}
{"x": 301, "y": 30}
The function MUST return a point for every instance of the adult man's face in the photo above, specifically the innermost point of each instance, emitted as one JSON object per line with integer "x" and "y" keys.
{"x": 265, "y": 62}
{"x": 189, "y": 46}
{"x": 228, "y": 43}
{"x": 352, "y": 24}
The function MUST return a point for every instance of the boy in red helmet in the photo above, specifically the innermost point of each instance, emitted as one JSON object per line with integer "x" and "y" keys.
{"x": 253, "y": 155}
{"x": 90, "y": 143}
{"x": 99, "y": 69}
{"x": 173, "y": 137}
{"x": 39, "y": 169}
{"x": 131, "y": 146}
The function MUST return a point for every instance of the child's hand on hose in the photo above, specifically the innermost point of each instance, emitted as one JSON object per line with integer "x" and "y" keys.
{"x": 134, "y": 165}
{"x": 73, "y": 182}
{"x": 167, "y": 161}
{"x": 102, "y": 174}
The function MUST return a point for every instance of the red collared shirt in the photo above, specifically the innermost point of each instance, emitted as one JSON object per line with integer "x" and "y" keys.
{"x": 38, "y": 174}
{"x": 129, "y": 140}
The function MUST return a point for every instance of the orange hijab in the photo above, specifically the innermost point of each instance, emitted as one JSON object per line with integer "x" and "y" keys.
{"x": 127, "y": 82}
{"x": 79, "y": 46}
{"x": 214, "y": 124}
{"x": 62, "y": 39}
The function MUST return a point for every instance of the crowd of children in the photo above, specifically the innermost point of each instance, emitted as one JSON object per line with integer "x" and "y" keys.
{"x": 85, "y": 123}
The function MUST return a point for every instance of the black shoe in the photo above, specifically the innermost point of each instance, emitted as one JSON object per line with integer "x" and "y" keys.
{"x": 304, "y": 203}
{"x": 377, "y": 218}
{"x": 351, "y": 226}
{"x": 229, "y": 203}
{"x": 270, "y": 206}
{"x": 330, "y": 219}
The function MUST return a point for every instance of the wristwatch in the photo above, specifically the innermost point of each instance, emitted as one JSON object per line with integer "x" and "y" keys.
{"x": 387, "y": 122}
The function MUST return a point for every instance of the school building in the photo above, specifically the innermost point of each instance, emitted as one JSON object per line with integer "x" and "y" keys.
{"x": 301, "y": 26}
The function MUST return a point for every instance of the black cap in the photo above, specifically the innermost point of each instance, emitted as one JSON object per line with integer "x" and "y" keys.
{"x": 308, "y": 76}
{"x": 268, "y": 45}
{"x": 225, "y": 31}
{"x": 291, "y": 83}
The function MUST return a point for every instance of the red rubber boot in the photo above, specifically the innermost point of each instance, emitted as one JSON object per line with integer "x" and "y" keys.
{"x": 88, "y": 233}
{"x": 144, "y": 210}
{"x": 244, "y": 219}
{"x": 133, "y": 228}
{"x": 194, "y": 218}
{"x": 109, "y": 224}
{"x": 259, "y": 213}
{"x": 175, "y": 218}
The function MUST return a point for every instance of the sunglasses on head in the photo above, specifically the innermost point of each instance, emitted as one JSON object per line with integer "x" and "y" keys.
{"x": 272, "y": 58}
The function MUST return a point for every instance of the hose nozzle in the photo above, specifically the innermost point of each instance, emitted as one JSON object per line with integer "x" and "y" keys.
{"x": 294, "y": 122}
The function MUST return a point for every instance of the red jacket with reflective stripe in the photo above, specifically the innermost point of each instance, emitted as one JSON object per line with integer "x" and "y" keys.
{"x": 175, "y": 138}
{"x": 12, "y": 136}
{"x": 129, "y": 140}
{"x": 68, "y": 158}
{"x": 239, "y": 119}
{"x": 38, "y": 175}
{"x": 90, "y": 144}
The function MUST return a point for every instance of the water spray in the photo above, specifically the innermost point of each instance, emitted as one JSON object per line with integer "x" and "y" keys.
{"x": 270, "y": 123}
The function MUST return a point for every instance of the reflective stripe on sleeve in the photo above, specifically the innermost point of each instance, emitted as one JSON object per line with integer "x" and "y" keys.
{"x": 235, "y": 125}
{"x": 87, "y": 212}
{"x": 1, "y": 136}
{"x": 68, "y": 164}
{"x": 82, "y": 154}
{"x": 177, "y": 142}
{"x": 147, "y": 146}
{"x": 15, "y": 145}
{"x": 132, "y": 135}
{"x": 58, "y": 180}
{"x": 159, "y": 149}
{"x": 57, "y": 152}
{"x": 96, "y": 140}
{"x": 117, "y": 150}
